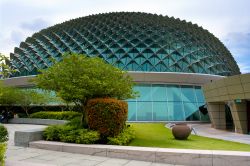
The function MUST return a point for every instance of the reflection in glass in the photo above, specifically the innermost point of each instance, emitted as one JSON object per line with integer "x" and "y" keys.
{"x": 162, "y": 102}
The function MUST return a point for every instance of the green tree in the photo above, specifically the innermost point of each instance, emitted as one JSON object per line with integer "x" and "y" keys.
{"x": 78, "y": 78}
{"x": 9, "y": 96}
{"x": 25, "y": 98}
{"x": 5, "y": 70}
{"x": 29, "y": 97}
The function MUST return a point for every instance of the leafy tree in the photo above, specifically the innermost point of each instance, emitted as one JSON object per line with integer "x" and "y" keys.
{"x": 78, "y": 78}
{"x": 5, "y": 70}
{"x": 9, "y": 96}
{"x": 29, "y": 97}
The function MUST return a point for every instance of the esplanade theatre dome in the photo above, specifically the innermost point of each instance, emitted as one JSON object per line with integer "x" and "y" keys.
{"x": 169, "y": 58}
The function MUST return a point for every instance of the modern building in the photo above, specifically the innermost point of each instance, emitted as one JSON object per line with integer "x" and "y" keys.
{"x": 228, "y": 102}
{"x": 170, "y": 59}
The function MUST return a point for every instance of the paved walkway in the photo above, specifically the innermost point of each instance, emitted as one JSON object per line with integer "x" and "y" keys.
{"x": 205, "y": 129}
{"x": 19, "y": 156}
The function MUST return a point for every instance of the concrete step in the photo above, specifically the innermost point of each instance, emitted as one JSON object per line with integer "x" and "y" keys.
{"x": 159, "y": 155}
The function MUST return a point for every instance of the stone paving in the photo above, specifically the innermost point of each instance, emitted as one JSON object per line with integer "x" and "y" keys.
{"x": 205, "y": 129}
{"x": 19, "y": 156}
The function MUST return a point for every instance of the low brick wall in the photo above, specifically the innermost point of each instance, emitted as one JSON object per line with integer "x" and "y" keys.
{"x": 159, "y": 155}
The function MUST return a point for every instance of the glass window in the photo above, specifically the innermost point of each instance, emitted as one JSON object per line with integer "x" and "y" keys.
{"x": 173, "y": 93}
{"x": 159, "y": 93}
{"x": 175, "y": 111}
{"x": 199, "y": 94}
{"x": 144, "y": 92}
{"x": 191, "y": 111}
{"x": 160, "y": 112}
{"x": 204, "y": 118}
{"x": 132, "y": 111}
{"x": 144, "y": 111}
{"x": 188, "y": 93}
{"x": 162, "y": 102}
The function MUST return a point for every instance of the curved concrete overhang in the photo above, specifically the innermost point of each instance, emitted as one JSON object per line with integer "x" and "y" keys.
{"x": 24, "y": 81}
{"x": 173, "y": 78}
{"x": 139, "y": 77}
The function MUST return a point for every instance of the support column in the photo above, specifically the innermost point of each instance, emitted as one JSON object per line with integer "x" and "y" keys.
{"x": 217, "y": 115}
{"x": 239, "y": 114}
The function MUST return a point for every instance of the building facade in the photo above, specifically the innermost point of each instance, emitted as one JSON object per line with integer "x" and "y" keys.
{"x": 170, "y": 59}
{"x": 228, "y": 102}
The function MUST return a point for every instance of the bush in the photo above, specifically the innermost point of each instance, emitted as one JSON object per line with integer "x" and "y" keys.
{"x": 3, "y": 134}
{"x": 80, "y": 136}
{"x": 2, "y": 153}
{"x": 107, "y": 116}
{"x": 51, "y": 133}
{"x": 67, "y": 133}
{"x": 76, "y": 122}
{"x": 67, "y": 115}
{"x": 3, "y": 138}
{"x": 124, "y": 138}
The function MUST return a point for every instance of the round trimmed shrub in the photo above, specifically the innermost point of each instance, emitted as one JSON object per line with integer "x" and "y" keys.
{"x": 107, "y": 115}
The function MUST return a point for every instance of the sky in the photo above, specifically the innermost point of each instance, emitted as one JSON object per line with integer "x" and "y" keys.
{"x": 229, "y": 20}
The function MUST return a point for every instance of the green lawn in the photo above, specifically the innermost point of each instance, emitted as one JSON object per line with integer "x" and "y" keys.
{"x": 156, "y": 135}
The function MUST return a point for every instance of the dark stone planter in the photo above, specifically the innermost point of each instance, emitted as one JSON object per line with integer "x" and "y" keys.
{"x": 181, "y": 131}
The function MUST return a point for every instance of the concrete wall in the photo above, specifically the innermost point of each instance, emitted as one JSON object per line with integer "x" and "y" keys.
{"x": 235, "y": 91}
{"x": 227, "y": 89}
{"x": 217, "y": 115}
{"x": 239, "y": 115}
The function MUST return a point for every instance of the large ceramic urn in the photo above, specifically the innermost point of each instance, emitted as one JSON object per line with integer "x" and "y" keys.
{"x": 181, "y": 131}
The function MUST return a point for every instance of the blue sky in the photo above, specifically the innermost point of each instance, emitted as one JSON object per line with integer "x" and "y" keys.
{"x": 229, "y": 20}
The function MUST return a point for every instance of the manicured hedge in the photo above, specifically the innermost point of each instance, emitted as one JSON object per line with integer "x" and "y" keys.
{"x": 67, "y": 133}
{"x": 107, "y": 116}
{"x": 66, "y": 115}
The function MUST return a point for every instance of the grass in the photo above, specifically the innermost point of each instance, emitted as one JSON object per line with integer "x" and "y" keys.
{"x": 156, "y": 135}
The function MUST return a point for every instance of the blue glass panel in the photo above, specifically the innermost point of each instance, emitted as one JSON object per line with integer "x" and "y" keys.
{"x": 159, "y": 93}
{"x": 188, "y": 93}
{"x": 173, "y": 93}
{"x": 132, "y": 111}
{"x": 160, "y": 112}
{"x": 144, "y": 111}
{"x": 161, "y": 102}
{"x": 145, "y": 92}
{"x": 204, "y": 117}
{"x": 175, "y": 111}
{"x": 191, "y": 111}
{"x": 199, "y": 95}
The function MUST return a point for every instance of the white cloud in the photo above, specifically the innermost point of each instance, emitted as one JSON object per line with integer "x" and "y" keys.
{"x": 219, "y": 17}
{"x": 34, "y": 25}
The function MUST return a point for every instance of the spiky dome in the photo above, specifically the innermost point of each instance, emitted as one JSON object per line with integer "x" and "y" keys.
{"x": 131, "y": 41}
